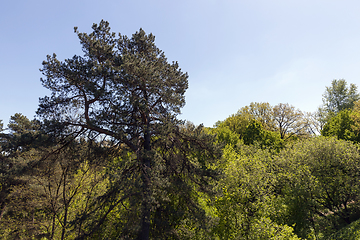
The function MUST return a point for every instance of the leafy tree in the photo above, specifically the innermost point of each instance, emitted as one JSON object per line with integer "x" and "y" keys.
{"x": 342, "y": 126}
{"x": 350, "y": 232}
{"x": 256, "y": 134}
{"x": 355, "y": 116}
{"x": 238, "y": 122}
{"x": 261, "y": 112}
{"x": 125, "y": 90}
{"x": 46, "y": 184}
{"x": 225, "y": 136}
{"x": 248, "y": 206}
{"x": 338, "y": 97}
{"x": 319, "y": 179}
{"x": 14, "y": 142}
{"x": 234, "y": 123}
{"x": 290, "y": 122}
{"x": 314, "y": 125}
{"x": 283, "y": 119}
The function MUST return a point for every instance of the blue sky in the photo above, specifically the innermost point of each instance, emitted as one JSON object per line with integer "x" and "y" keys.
{"x": 235, "y": 52}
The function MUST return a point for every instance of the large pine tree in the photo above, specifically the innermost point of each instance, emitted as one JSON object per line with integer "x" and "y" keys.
{"x": 125, "y": 89}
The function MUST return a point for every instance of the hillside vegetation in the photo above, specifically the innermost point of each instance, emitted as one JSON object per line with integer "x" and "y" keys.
{"x": 107, "y": 157}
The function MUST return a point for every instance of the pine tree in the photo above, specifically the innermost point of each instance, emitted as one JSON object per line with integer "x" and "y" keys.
{"x": 125, "y": 90}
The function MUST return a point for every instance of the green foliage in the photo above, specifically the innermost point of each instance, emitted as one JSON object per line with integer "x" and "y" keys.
{"x": 256, "y": 134}
{"x": 125, "y": 90}
{"x": 20, "y": 124}
{"x": 183, "y": 170}
{"x": 225, "y": 136}
{"x": 46, "y": 186}
{"x": 291, "y": 122}
{"x": 350, "y": 232}
{"x": 253, "y": 132}
{"x": 237, "y": 123}
{"x": 108, "y": 158}
{"x": 339, "y": 96}
{"x": 261, "y": 112}
{"x": 262, "y": 123}
{"x": 14, "y": 143}
{"x": 319, "y": 179}
{"x": 248, "y": 206}
{"x": 22, "y": 135}
{"x": 341, "y": 126}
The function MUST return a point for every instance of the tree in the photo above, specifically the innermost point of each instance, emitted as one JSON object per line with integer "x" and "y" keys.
{"x": 262, "y": 112}
{"x": 248, "y": 206}
{"x": 256, "y": 134}
{"x": 23, "y": 133}
{"x": 237, "y": 123}
{"x": 319, "y": 178}
{"x": 225, "y": 136}
{"x": 47, "y": 188}
{"x": 338, "y": 97}
{"x": 355, "y": 116}
{"x": 20, "y": 136}
{"x": 341, "y": 126}
{"x": 290, "y": 122}
{"x": 125, "y": 90}
{"x": 314, "y": 125}
{"x": 283, "y": 119}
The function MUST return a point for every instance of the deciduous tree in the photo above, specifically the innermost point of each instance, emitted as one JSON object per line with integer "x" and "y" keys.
{"x": 290, "y": 121}
{"x": 342, "y": 126}
{"x": 321, "y": 189}
{"x": 336, "y": 98}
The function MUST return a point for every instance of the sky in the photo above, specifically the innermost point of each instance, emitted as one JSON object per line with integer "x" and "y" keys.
{"x": 235, "y": 51}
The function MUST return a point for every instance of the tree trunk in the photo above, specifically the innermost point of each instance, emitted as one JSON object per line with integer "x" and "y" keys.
{"x": 2, "y": 210}
{"x": 144, "y": 233}
{"x": 66, "y": 208}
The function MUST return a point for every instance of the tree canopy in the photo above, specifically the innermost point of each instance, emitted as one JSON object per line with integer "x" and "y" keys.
{"x": 337, "y": 97}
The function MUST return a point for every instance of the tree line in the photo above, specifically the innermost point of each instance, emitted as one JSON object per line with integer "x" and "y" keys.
{"x": 107, "y": 158}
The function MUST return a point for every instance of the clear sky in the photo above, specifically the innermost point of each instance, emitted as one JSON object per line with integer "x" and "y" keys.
{"x": 235, "y": 51}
